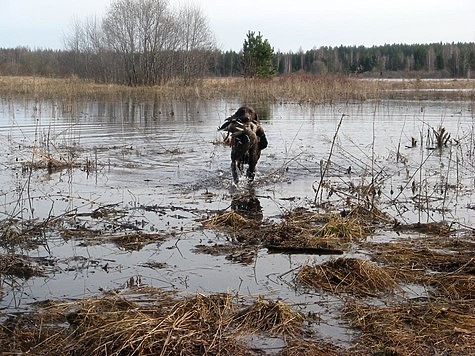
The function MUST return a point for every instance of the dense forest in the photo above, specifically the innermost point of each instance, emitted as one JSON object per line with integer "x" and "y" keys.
{"x": 437, "y": 60}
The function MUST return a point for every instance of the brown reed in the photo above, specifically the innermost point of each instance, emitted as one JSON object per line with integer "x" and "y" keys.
{"x": 295, "y": 88}
{"x": 347, "y": 275}
{"x": 413, "y": 328}
{"x": 166, "y": 325}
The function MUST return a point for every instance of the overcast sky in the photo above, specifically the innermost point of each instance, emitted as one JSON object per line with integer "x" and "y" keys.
{"x": 287, "y": 24}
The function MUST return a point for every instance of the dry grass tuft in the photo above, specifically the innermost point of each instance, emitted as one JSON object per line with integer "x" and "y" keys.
{"x": 458, "y": 286}
{"x": 299, "y": 230}
{"x": 442, "y": 262}
{"x": 346, "y": 229}
{"x": 227, "y": 219}
{"x": 26, "y": 234}
{"x": 433, "y": 228}
{"x": 347, "y": 275}
{"x": 135, "y": 241}
{"x": 409, "y": 256}
{"x": 314, "y": 348}
{"x": 130, "y": 241}
{"x": 114, "y": 325}
{"x": 44, "y": 160}
{"x": 304, "y": 228}
{"x": 415, "y": 328}
{"x": 274, "y": 317}
{"x": 370, "y": 216}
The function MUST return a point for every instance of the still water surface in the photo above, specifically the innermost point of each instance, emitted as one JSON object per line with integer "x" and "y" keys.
{"x": 162, "y": 165}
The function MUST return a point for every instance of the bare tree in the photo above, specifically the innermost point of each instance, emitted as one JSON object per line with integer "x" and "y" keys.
{"x": 196, "y": 42}
{"x": 145, "y": 34}
{"x": 152, "y": 44}
{"x": 121, "y": 33}
{"x": 86, "y": 42}
{"x": 154, "y": 30}
{"x": 73, "y": 40}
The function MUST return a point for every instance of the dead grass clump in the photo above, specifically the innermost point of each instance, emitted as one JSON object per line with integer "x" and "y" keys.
{"x": 410, "y": 256}
{"x": 160, "y": 324}
{"x": 370, "y": 216}
{"x": 20, "y": 333}
{"x": 80, "y": 233}
{"x": 444, "y": 263}
{"x": 304, "y": 228}
{"x": 416, "y": 328}
{"x": 298, "y": 229}
{"x": 133, "y": 241}
{"x": 347, "y": 275}
{"x": 432, "y": 228}
{"x": 27, "y": 234}
{"x": 454, "y": 287}
{"x": 213, "y": 309}
{"x": 274, "y": 317}
{"x": 240, "y": 253}
{"x": 338, "y": 227}
{"x": 227, "y": 219}
{"x": 116, "y": 326}
{"x": 314, "y": 348}
{"x": 18, "y": 266}
{"x": 10, "y": 233}
{"x": 248, "y": 206}
{"x": 48, "y": 162}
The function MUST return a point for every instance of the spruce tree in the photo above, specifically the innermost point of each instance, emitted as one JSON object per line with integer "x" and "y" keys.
{"x": 257, "y": 56}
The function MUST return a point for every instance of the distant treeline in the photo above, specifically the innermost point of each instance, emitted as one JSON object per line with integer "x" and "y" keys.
{"x": 437, "y": 60}
{"x": 450, "y": 60}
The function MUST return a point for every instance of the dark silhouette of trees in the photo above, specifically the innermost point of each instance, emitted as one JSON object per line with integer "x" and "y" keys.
{"x": 425, "y": 60}
{"x": 188, "y": 57}
{"x": 145, "y": 42}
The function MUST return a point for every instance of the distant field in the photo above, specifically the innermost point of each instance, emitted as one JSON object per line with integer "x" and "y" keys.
{"x": 294, "y": 88}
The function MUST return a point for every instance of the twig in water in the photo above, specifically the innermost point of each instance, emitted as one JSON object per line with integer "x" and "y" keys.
{"x": 327, "y": 164}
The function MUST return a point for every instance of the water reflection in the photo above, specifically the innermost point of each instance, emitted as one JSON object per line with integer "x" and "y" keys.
{"x": 247, "y": 205}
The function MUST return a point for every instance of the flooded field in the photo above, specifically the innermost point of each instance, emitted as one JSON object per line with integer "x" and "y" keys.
{"x": 101, "y": 196}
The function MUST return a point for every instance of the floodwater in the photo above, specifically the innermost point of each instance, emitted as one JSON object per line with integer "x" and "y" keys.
{"x": 159, "y": 167}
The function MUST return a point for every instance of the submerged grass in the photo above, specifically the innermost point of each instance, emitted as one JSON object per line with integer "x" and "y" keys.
{"x": 19, "y": 266}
